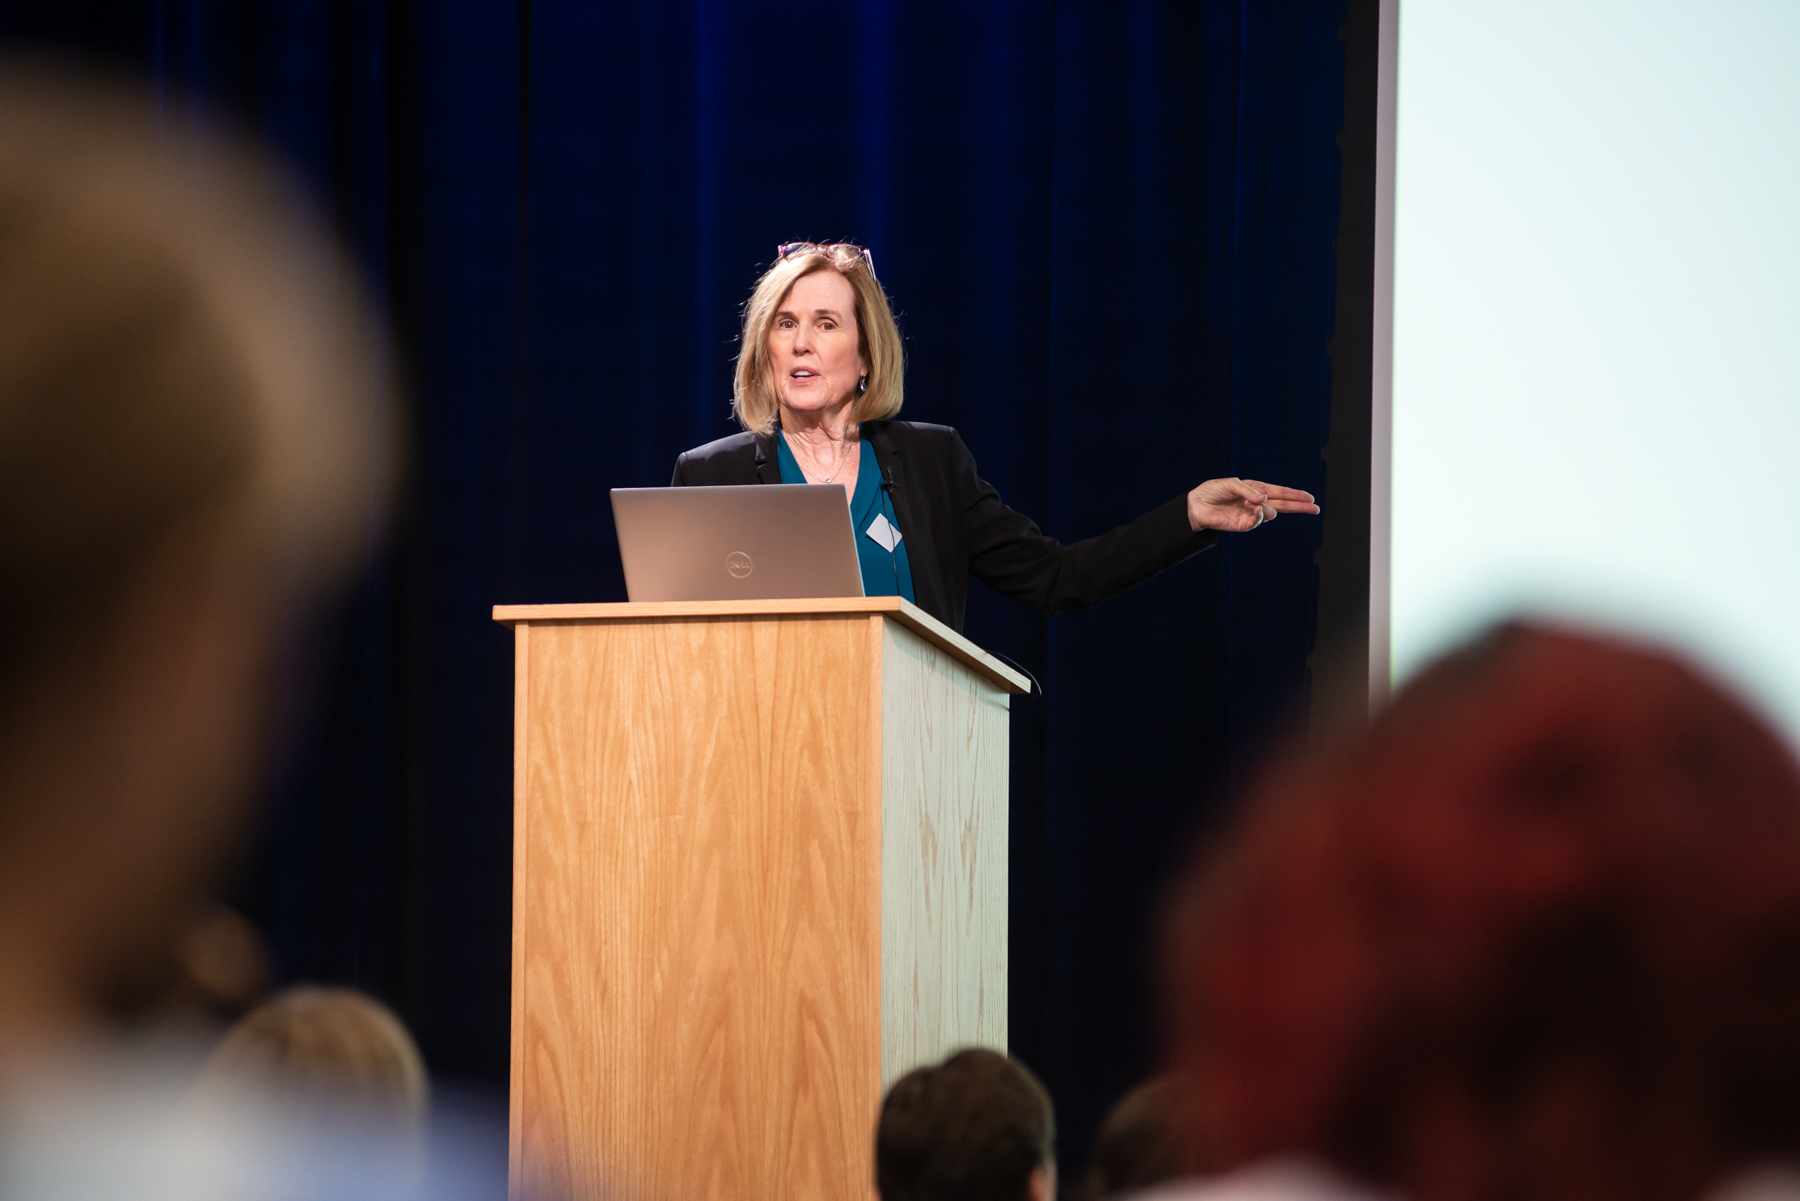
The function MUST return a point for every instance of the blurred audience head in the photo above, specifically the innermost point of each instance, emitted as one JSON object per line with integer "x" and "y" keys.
{"x": 1142, "y": 1141}
{"x": 335, "y": 1047}
{"x": 1535, "y": 934}
{"x": 976, "y": 1127}
{"x": 192, "y": 406}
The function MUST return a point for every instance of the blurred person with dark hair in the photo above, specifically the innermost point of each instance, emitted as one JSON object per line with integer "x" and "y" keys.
{"x": 1140, "y": 1143}
{"x": 1536, "y": 934}
{"x": 193, "y": 401}
{"x": 337, "y": 1045}
{"x": 976, "y": 1127}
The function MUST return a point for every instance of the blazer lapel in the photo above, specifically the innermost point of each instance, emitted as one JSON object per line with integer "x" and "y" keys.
{"x": 768, "y": 463}
{"x": 921, "y": 553}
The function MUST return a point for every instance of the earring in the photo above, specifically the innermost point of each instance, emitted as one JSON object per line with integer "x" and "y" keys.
{"x": 862, "y": 385}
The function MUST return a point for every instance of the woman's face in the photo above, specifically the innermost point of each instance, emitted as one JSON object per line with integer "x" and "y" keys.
{"x": 814, "y": 344}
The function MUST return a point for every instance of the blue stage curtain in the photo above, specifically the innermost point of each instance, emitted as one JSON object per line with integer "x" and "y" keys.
{"x": 1107, "y": 228}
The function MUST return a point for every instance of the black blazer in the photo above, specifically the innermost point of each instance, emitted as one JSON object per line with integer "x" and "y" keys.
{"x": 955, "y": 525}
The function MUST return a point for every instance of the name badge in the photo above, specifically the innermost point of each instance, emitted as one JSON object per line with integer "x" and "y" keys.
{"x": 884, "y": 533}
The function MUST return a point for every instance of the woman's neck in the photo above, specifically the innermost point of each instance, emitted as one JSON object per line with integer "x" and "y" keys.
{"x": 822, "y": 430}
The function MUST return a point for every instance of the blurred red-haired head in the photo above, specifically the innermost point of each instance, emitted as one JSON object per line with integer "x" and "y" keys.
{"x": 1536, "y": 933}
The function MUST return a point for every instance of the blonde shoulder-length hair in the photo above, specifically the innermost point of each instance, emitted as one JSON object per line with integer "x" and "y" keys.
{"x": 753, "y": 400}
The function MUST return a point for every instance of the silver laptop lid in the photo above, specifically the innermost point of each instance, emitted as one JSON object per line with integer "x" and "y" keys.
{"x": 755, "y": 542}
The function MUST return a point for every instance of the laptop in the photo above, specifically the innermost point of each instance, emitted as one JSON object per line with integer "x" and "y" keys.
{"x": 754, "y": 542}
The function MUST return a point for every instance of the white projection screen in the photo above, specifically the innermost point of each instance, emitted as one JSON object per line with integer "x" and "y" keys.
{"x": 1596, "y": 327}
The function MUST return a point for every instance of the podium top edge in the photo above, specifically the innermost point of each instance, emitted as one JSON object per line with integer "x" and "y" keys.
{"x": 908, "y": 614}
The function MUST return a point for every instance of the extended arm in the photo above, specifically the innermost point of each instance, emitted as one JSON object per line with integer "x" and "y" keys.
{"x": 1009, "y": 553}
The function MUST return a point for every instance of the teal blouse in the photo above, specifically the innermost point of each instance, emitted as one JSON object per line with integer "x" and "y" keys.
{"x": 872, "y": 517}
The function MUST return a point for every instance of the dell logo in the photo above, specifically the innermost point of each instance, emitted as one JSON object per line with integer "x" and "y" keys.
{"x": 739, "y": 565}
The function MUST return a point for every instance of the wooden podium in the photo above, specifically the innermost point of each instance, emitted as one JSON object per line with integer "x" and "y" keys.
{"x": 759, "y": 871}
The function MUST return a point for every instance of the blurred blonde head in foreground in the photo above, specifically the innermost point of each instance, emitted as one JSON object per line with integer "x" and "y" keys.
{"x": 1536, "y": 934}
{"x": 326, "y": 1046}
{"x": 193, "y": 406}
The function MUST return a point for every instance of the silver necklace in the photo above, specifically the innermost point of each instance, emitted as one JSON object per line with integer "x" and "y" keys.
{"x": 834, "y": 471}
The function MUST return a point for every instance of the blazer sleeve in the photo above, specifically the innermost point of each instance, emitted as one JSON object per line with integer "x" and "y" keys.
{"x": 1010, "y": 554}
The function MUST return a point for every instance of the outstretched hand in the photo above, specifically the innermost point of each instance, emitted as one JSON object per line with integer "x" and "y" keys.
{"x": 1237, "y": 505}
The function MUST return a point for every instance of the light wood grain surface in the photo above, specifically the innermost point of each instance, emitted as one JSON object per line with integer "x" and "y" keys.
{"x": 700, "y": 920}
{"x": 943, "y": 856}
{"x": 723, "y": 946}
{"x": 521, "y": 900}
{"x": 1009, "y": 679}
